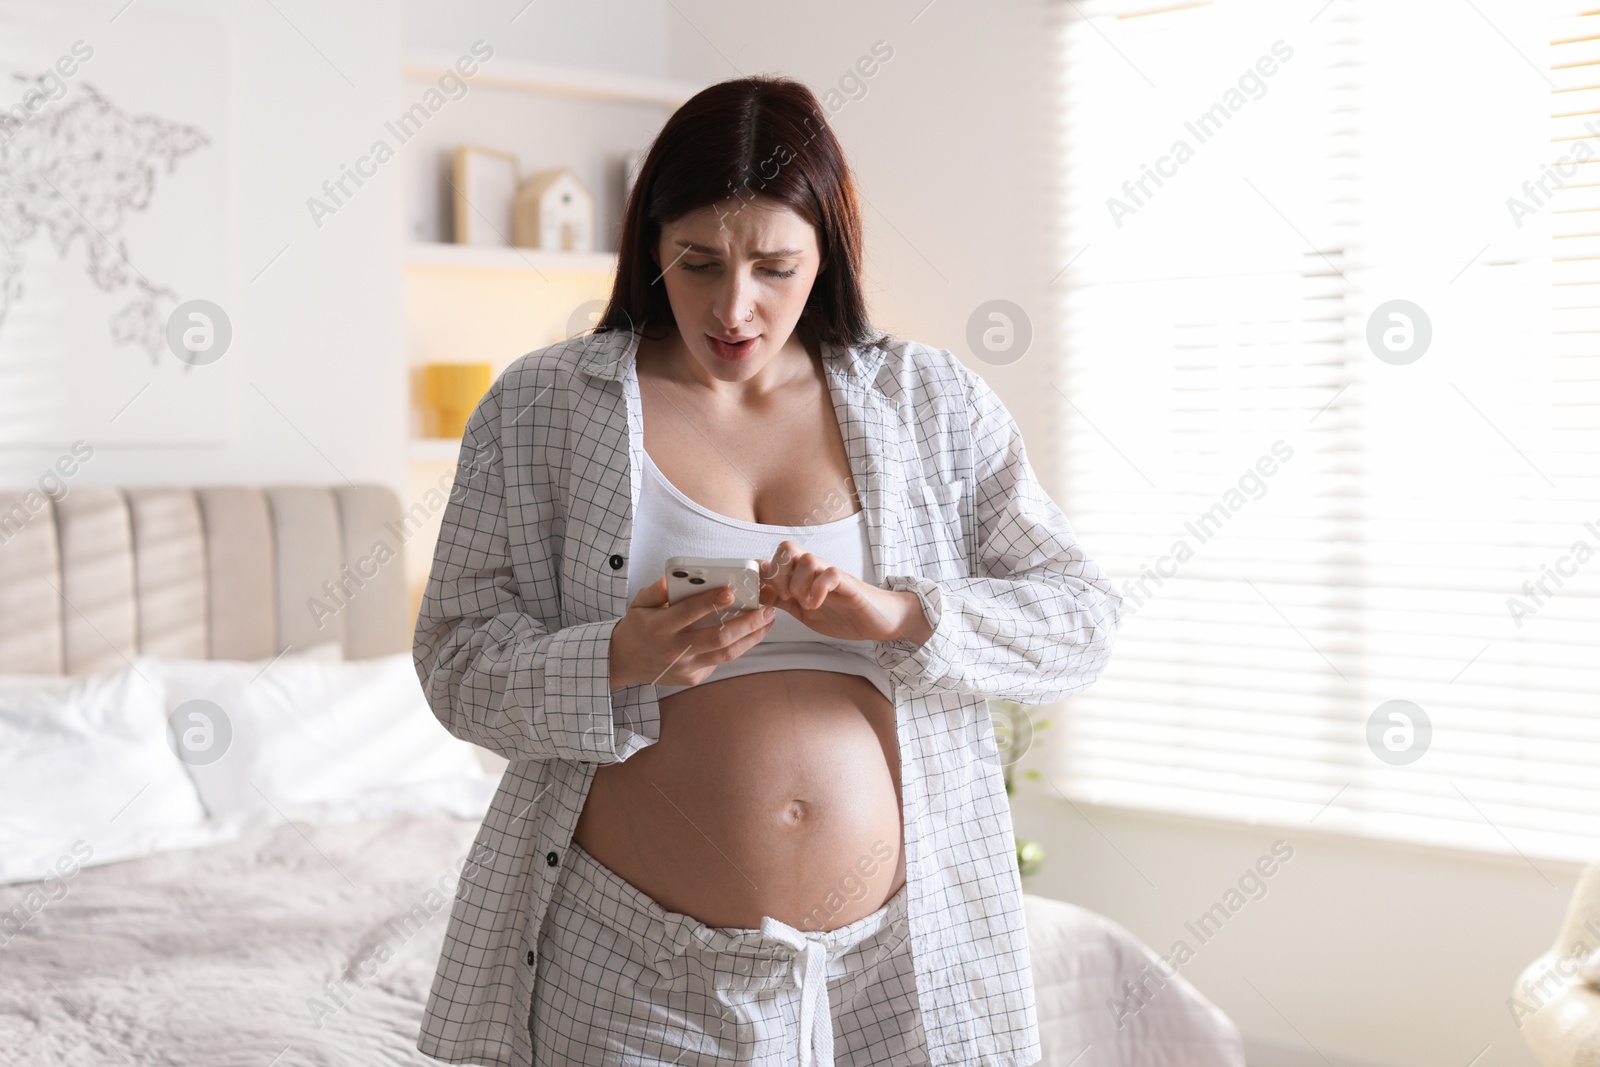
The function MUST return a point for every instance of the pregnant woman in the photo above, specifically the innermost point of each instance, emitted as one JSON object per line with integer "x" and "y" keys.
{"x": 781, "y": 837}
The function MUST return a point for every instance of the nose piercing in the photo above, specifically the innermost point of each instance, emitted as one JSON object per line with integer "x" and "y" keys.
{"x": 750, "y": 316}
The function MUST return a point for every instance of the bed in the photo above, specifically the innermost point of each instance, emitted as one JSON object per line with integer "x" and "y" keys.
{"x": 289, "y": 928}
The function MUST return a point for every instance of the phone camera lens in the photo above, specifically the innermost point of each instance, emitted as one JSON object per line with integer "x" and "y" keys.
{"x": 697, "y": 581}
{"x": 679, "y": 574}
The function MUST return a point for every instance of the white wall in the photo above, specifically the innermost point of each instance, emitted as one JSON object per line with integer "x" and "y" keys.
{"x": 1373, "y": 952}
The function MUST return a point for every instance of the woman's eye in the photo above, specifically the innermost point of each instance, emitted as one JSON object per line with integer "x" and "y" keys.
{"x": 698, "y": 267}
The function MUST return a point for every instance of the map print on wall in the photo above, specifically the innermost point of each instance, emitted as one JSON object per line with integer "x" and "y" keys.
{"x": 113, "y": 211}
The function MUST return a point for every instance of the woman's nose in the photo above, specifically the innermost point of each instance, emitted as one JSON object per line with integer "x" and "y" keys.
{"x": 731, "y": 302}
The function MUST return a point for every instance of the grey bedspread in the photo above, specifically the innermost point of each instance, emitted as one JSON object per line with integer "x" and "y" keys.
{"x": 314, "y": 944}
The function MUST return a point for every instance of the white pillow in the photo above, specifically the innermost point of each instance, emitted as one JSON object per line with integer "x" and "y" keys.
{"x": 86, "y": 776}
{"x": 327, "y": 651}
{"x": 324, "y": 651}
{"x": 320, "y": 741}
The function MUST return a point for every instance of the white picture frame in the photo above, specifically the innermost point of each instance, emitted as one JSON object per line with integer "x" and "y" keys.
{"x": 485, "y": 187}
{"x": 87, "y": 306}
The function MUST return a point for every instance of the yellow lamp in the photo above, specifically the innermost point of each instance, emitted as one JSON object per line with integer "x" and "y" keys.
{"x": 449, "y": 393}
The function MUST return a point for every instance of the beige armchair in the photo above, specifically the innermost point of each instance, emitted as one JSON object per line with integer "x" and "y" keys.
{"x": 1558, "y": 1011}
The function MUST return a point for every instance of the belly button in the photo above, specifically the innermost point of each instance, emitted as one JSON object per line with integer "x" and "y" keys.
{"x": 796, "y": 811}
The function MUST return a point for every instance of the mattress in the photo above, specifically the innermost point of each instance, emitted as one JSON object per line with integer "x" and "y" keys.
{"x": 304, "y": 944}
{"x": 316, "y": 944}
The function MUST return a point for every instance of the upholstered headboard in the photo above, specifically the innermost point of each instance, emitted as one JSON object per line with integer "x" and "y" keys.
{"x": 229, "y": 572}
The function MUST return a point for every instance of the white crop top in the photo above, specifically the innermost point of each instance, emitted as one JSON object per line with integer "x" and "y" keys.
{"x": 667, "y": 523}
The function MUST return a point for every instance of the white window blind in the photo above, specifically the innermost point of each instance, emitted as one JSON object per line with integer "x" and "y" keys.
{"x": 1305, "y": 531}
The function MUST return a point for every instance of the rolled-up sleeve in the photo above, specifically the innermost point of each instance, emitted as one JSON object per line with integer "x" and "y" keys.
{"x": 493, "y": 672}
{"x": 1037, "y": 619}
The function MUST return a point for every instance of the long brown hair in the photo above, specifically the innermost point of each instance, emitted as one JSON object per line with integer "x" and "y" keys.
{"x": 763, "y": 136}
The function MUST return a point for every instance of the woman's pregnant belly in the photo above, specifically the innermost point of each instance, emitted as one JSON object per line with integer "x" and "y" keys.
{"x": 776, "y": 793}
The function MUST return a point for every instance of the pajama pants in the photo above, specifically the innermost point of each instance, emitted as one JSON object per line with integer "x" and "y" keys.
{"x": 620, "y": 980}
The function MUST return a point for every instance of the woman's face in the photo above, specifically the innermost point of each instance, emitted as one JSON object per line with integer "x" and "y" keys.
{"x": 741, "y": 271}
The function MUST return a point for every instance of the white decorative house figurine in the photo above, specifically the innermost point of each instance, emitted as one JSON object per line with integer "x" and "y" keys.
{"x": 555, "y": 212}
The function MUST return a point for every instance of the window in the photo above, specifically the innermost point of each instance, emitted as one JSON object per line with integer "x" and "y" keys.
{"x": 1332, "y": 390}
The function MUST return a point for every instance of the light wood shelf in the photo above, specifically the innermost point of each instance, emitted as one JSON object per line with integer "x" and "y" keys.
{"x": 563, "y": 81}
{"x": 484, "y": 257}
{"x": 434, "y": 449}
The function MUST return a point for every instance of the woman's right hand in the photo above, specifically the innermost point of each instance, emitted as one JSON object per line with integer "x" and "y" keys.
{"x": 653, "y": 642}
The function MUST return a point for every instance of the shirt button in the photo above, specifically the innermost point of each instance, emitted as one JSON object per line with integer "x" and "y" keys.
{"x": 530, "y": 957}
{"x": 616, "y": 562}
{"x": 551, "y": 859}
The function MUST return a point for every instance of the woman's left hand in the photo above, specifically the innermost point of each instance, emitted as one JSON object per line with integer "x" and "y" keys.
{"x": 832, "y": 601}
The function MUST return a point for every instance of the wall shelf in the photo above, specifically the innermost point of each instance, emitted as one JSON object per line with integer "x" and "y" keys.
{"x": 495, "y": 304}
{"x": 486, "y": 257}
{"x": 434, "y": 449}
{"x": 565, "y": 81}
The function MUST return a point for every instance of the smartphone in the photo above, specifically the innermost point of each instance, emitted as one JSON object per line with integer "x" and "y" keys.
{"x": 688, "y": 575}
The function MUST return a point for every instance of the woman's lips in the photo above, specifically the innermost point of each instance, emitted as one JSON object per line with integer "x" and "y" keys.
{"x": 726, "y": 351}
